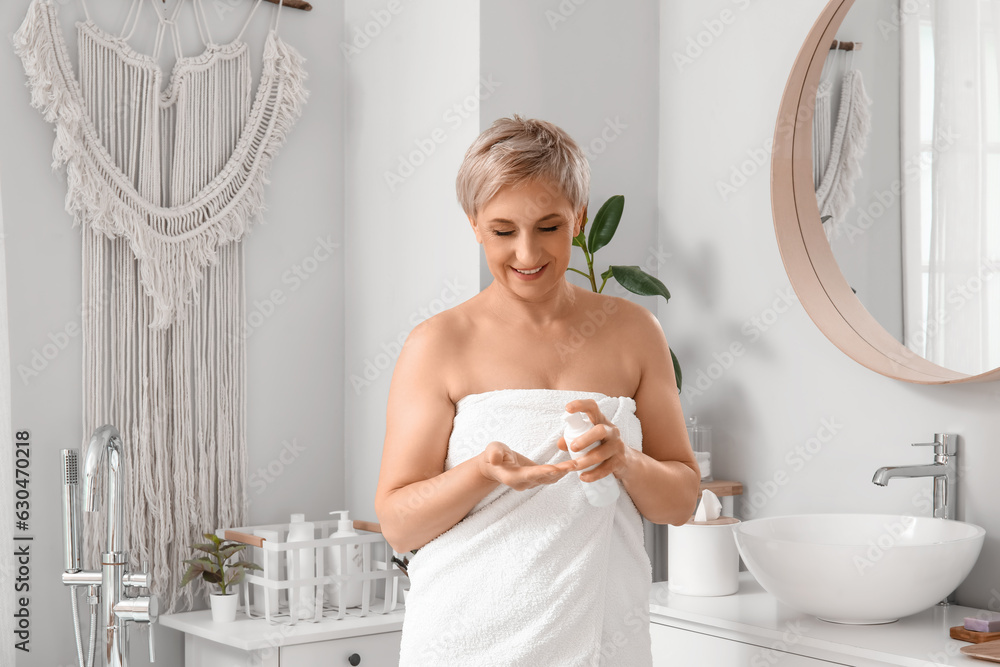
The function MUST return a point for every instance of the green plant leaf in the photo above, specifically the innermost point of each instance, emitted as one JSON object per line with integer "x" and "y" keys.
{"x": 207, "y": 547}
{"x": 246, "y": 565}
{"x": 677, "y": 369}
{"x": 228, "y": 551}
{"x": 212, "y": 577}
{"x": 637, "y": 281}
{"x": 236, "y": 575}
{"x": 606, "y": 223}
{"x": 580, "y": 240}
{"x": 213, "y": 538}
{"x": 205, "y": 563}
{"x": 191, "y": 574}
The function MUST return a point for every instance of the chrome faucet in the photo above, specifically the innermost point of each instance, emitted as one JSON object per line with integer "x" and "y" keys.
{"x": 944, "y": 470}
{"x": 111, "y": 582}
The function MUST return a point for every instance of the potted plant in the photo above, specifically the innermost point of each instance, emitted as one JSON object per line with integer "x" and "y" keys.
{"x": 215, "y": 569}
{"x": 632, "y": 278}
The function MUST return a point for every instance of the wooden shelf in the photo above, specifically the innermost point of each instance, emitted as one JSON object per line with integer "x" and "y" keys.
{"x": 721, "y": 487}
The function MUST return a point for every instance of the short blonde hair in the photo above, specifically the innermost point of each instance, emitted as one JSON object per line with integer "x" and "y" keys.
{"x": 515, "y": 150}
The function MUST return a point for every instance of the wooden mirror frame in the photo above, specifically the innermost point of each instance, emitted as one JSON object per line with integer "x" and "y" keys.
{"x": 809, "y": 262}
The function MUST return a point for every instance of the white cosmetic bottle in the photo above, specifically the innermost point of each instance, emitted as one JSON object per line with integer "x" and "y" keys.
{"x": 601, "y": 492}
{"x": 302, "y": 565}
{"x": 348, "y": 589}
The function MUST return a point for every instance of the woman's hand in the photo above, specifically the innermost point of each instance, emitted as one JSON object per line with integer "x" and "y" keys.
{"x": 500, "y": 463}
{"x": 610, "y": 457}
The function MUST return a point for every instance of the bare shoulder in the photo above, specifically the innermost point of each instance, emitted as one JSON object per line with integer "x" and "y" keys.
{"x": 633, "y": 323}
{"x": 433, "y": 350}
{"x": 442, "y": 331}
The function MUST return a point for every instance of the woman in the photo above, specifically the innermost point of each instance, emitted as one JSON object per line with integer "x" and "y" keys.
{"x": 515, "y": 567}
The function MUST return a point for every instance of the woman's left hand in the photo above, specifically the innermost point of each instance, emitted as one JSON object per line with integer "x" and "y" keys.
{"x": 611, "y": 456}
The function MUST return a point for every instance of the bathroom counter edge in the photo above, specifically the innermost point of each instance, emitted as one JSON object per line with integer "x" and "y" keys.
{"x": 250, "y": 634}
{"x": 754, "y": 616}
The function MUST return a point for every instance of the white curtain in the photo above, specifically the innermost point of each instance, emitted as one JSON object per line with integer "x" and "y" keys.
{"x": 6, "y": 469}
{"x": 961, "y": 280}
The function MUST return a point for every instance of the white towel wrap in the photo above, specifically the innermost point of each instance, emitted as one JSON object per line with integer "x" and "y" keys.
{"x": 536, "y": 577}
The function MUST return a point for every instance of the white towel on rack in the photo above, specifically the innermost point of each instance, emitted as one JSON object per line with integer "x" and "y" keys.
{"x": 835, "y": 194}
{"x": 535, "y": 577}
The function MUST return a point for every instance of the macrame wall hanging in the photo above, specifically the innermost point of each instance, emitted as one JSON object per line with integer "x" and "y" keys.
{"x": 164, "y": 182}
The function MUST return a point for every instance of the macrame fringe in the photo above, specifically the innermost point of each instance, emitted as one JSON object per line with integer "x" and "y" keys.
{"x": 98, "y": 197}
{"x": 164, "y": 354}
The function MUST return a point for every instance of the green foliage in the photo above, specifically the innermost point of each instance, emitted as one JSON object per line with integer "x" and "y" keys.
{"x": 214, "y": 568}
{"x": 632, "y": 278}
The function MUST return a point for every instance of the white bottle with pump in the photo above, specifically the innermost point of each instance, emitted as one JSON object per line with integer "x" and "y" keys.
{"x": 601, "y": 492}
{"x": 350, "y": 590}
{"x": 304, "y": 565}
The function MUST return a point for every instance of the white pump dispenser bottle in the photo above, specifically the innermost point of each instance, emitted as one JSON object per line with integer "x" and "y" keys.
{"x": 348, "y": 589}
{"x": 601, "y": 492}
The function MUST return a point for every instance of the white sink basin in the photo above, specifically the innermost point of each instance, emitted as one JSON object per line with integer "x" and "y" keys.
{"x": 859, "y": 568}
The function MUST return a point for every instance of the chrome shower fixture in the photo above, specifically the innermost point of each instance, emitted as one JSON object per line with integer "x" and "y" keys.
{"x": 71, "y": 511}
{"x": 110, "y": 585}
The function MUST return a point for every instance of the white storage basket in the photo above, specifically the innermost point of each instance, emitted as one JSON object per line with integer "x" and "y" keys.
{"x": 276, "y": 594}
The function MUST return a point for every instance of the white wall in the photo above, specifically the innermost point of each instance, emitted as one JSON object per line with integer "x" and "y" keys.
{"x": 591, "y": 69}
{"x": 295, "y": 360}
{"x": 787, "y": 388}
{"x": 413, "y": 94}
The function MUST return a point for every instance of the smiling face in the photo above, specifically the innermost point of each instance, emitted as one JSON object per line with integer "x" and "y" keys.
{"x": 527, "y": 231}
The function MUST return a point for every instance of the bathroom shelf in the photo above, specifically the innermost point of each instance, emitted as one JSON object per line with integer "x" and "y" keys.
{"x": 726, "y": 491}
{"x": 722, "y": 488}
{"x": 249, "y": 634}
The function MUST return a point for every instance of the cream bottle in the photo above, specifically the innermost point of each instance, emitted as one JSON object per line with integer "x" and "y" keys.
{"x": 300, "y": 530}
{"x": 601, "y": 492}
{"x": 348, "y": 589}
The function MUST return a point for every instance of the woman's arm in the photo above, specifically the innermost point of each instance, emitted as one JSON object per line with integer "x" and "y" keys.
{"x": 416, "y": 500}
{"x": 663, "y": 479}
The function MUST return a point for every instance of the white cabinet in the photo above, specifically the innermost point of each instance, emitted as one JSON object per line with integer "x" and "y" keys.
{"x": 673, "y": 647}
{"x": 370, "y": 641}
{"x": 381, "y": 650}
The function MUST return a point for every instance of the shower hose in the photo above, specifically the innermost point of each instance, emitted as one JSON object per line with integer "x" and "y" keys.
{"x": 74, "y": 601}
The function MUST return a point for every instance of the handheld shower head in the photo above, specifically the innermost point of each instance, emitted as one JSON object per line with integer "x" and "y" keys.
{"x": 71, "y": 510}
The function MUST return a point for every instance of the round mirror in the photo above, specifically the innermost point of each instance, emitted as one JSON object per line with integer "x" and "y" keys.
{"x": 886, "y": 185}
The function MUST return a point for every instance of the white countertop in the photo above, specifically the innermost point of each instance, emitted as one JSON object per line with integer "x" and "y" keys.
{"x": 251, "y": 634}
{"x": 755, "y": 616}
{"x": 751, "y": 616}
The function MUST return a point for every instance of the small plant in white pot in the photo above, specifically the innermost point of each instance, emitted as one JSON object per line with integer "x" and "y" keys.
{"x": 215, "y": 569}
